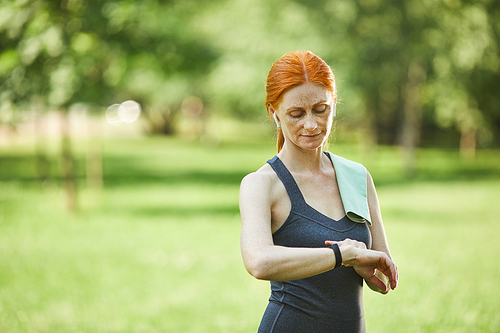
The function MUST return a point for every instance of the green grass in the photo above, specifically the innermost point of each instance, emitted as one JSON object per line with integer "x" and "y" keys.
{"x": 157, "y": 250}
{"x": 443, "y": 237}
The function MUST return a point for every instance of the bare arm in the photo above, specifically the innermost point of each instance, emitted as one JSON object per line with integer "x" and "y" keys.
{"x": 379, "y": 239}
{"x": 261, "y": 257}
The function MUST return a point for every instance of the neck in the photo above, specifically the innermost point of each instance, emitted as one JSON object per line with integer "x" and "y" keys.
{"x": 300, "y": 160}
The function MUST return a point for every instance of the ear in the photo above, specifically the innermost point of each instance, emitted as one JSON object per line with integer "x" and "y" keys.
{"x": 270, "y": 109}
{"x": 272, "y": 112}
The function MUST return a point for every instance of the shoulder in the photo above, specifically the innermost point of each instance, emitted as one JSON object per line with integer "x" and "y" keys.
{"x": 263, "y": 175}
{"x": 260, "y": 181}
{"x": 370, "y": 187}
{"x": 258, "y": 189}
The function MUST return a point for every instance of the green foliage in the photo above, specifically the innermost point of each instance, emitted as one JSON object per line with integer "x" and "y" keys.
{"x": 400, "y": 65}
{"x": 157, "y": 249}
{"x": 63, "y": 52}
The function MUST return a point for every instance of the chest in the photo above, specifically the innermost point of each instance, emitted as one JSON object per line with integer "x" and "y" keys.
{"x": 320, "y": 192}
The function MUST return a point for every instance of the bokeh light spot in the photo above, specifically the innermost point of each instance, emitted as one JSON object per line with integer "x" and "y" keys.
{"x": 112, "y": 115}
{"x": 129, "y": 111}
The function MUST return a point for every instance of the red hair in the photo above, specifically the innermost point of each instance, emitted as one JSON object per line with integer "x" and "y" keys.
{"x": 294, "y": 69}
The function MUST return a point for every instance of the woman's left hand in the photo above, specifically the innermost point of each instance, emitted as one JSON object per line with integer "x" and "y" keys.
{"x": 367, "y": 262}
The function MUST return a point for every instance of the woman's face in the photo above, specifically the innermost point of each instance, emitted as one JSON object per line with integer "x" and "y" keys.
{"x": 306, "y": 115}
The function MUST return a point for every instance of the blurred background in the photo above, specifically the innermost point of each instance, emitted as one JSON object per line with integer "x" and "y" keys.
{"x": 126, "y": 127}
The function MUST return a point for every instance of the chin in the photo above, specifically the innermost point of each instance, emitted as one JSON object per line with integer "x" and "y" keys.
{"x": 311, "y": 146}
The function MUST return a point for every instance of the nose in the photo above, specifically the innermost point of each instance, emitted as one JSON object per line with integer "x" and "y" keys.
{"x": 311, "y": 123}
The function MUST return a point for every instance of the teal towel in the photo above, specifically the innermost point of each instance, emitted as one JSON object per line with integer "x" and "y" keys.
{"x": 351, "y": 179}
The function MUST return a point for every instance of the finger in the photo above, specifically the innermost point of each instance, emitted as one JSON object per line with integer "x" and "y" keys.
{"x": 393, "y": 278}
{"x": 396, "y": 278}
{"x": 377, "y": 282}
{"x": 346, "y": 241}
{"x": 389, "y": 269}
{"x": 353, "y": 243}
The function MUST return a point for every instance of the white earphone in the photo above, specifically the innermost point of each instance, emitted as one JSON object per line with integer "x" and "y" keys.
{"x": 276, "y": 120}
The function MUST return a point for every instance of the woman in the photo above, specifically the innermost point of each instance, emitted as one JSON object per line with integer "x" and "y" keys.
{"x": 311, "y": 222}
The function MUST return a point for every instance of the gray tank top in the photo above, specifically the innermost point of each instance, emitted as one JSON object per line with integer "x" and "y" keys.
{"x": 331, "y": 301}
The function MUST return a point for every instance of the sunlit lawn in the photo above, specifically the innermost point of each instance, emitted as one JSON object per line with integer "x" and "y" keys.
{"x": 157, "y": 250}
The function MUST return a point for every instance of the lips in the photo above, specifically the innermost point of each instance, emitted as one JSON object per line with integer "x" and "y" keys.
{"x": 311, "y": 136}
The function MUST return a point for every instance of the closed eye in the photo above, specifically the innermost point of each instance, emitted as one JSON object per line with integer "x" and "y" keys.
{"x": 296, "y": 113}
{"x": 320, "y": 108}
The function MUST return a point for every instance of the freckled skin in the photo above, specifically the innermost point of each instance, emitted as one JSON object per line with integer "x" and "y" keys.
{"x": 306, "y": 115}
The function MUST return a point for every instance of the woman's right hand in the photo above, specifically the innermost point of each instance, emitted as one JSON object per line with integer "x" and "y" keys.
{"x": 367, "y": 262}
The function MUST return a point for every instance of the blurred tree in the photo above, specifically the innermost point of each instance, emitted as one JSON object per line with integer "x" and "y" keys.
{"x": 43, "y": 72}
{"x": 415, "y": 59}
{"x": 74, "y": 51}
{"x": 250, "y": 35}
{"x": 156, "y": 55}
{"x": 380, "y": 43}
{"x": 58, "y": 53}
{"x": 466, "y": 66}
{"x": 401, "y": 65}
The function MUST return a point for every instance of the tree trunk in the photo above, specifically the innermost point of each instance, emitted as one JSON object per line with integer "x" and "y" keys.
{"x": 412, "y": 112}
{"x": 368, "y": 134}
{"x": 68, "y": 167}
{"x": 94, "y": 168}
{"x": 468, "y": 140}
{"x": 160, "y": 120}
{"x": 42, "y": 162}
